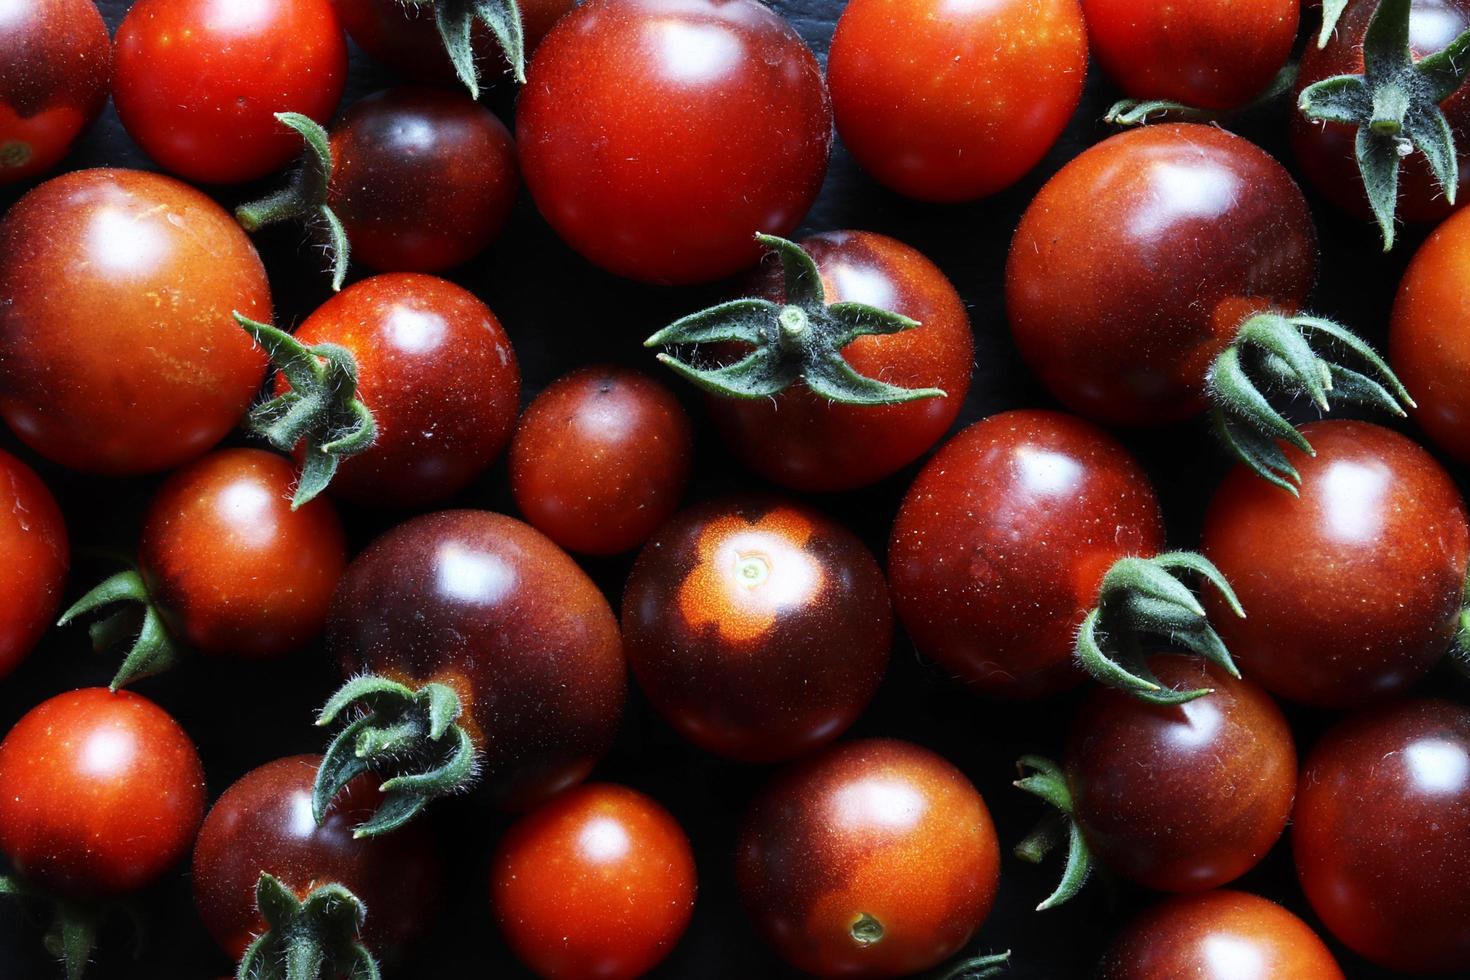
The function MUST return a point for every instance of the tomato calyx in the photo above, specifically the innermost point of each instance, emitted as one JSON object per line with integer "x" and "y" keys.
{"x": 153, "y": 650}
{"x": 1395, "y": 106}
{"x": 72, "y": 932}
{"x": 456, "y": 20}
{"x": 1285, "y": 353}
{"x": 979, "y": 967}
{"x": 320, "y": 410}
{"x": 1331, "y": 12}
{"x": 1043, "y": 778}
{"x": 1126, "y": 113}
{"x": 315, "y": 938}
{"x": 799, "y": 340}
{"x": 410, "y": 735}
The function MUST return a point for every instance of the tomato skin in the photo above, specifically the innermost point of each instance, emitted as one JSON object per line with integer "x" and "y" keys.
{"x": 233, "y": 569}
{"x": 34, "y": 555}
{"x": 1353, "y": 590}
{"x": 136, "y": 365}
{"x": 1135, "y": 266}
{"x": 55, "y": 66}
{"x": 928, "y": 108}
{"x": 1380, "y": 833}
{"x": 440, "y": 376}
{"x": 100, "y": 793}
{"x": 1002, "y": 542}
{"x": 263, "y": 824}
{"x": 1219, "y": 935}
{"x": 199, "y": 81}
{"x": 596, "y": 884}
{"x": 665, "y": 174}
{"x": 490, "y": 607}
{"x": 600, "y": 459}
{"x": 1211, "y": 54}
{"x": 877, "y": 828}
{"x": 810, "y": 444}
{"x": 759, "y": 629}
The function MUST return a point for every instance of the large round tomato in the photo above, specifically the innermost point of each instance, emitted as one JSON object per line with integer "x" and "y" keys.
{"x": 55, "y": 65}
{"x": 33, "y": 560}
{"x": 118, "y": 353}
{"x": 658, "y": 136}
{"x": 199, "y": 81}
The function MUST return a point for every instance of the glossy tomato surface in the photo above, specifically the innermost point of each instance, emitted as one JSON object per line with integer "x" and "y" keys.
{"x": 199, "y": 81}
{"x": 118, "y": 351}
{"x": 1002, "y": 543}
{"x": 600, "y": 459}
{"x": 1136, "y": 265}
{"x": 439, "y": 375}
{"x": 658, "y": 136}
{"x": 947, "y": 101}
{"x": 490, "y": 607}
{"x": 596, "y": 884}
{"x": 876, "y": 858}
{"x": 100, "y": 793}
{"x": 1380, "y": 834}
{"x": 759, "y": 629}
{"x": 1353, "y": 590}
{"x": 232, "y": 568}
{"x": 34, "y": 557}
{"x": 55, "y": 66}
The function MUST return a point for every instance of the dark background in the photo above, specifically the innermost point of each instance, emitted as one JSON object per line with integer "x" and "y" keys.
{"x": 242, "y": 716}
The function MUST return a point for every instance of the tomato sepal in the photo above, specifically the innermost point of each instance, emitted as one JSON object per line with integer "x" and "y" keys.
{"x": 979, "y": 967}
{"x": 1126, "y": 113}
{"x": 315, "y": 938}
{"x": 456, "y": 20}
{"x": 1331, "y": 12}
{"x": 1044, "y": 779}
{"x": 153, "y": 650}
{"x": 71, "y": 935}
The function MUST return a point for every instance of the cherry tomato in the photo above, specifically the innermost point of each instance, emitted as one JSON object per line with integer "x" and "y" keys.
{"x": 1001, "y": 545}
{"x": 1210, "y": 54}
{"x": 199, "y": 81}
{"x": 100, "y": 793}
{"x": 491, "y": 608}
{"x": 1380, "y": 834}
{"x": 33, "y": 560}
{"x": 950, "y": 102}
{"x": 1220, "y": 935}
{"x": 1354, "y": 588}
{"x": 596, "y": 884}
{"x": 658, "y": 136}
{"x": 263, "y": 824}
{"x": 55, "y": 65}
{"x": 876, "y": 858}
{"x": 136, "y": 365}
{"x": 1135, "y": 266}
{"x": 759, "y": 629}
{"x": 600, "y": 459}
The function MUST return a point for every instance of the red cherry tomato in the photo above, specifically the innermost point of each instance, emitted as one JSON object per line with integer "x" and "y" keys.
{"x": 1380, "y": 834}
{"x": 100, "y": 793}
{"x": 263, "y": 824}
{"x": 759, "y": 629}
{"x": 199, "y": 81}
{"x": 1136, "y": 265}
{"x": 1001, "y": 545}
{"x": 33, "y": 560}
{"x": 600, "y": 459}
{"x": 875, "y": 859}
{"x": 950, "y": 102}
{"x": 1353, "y": 590}
{"x": 136, "y": 365}
{"x": 55, "y": 65}
{"x": 597, "y": 884}
{"x": 658, "y": 136}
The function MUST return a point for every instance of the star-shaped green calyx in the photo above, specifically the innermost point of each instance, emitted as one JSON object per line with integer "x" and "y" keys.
{"x": 153, "y": 650}
{"x": 1044, "y": 779}
{"x": 456, "y": 20}
{"x": 311, "y": 938}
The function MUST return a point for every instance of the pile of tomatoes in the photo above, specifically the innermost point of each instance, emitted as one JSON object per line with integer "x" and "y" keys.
{"x": 373, "y": 603}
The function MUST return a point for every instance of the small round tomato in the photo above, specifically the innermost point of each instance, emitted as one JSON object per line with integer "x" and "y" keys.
{"x": 1354, "y": 588}
{"x": 596, "y": 884}
{"x": 33, "y": 560}
{"x": 100, "y": 793}
{"x": 658, "y": 136}
{"x": 950, "y": 102}
{"x": 876, "y": 858}
{"x": 1380, "y": 834}
{"x": 759, "y": 629}
{"x": 55, "y": 65}
{"x": 1220, "y": 935}
{"x": 199, "y": 81}
{"x": 600, "y": 459}
{"x": 117, "y": 351}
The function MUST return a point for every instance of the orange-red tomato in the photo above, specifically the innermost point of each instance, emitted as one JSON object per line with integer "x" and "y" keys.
{"x": 33, "y": 560}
